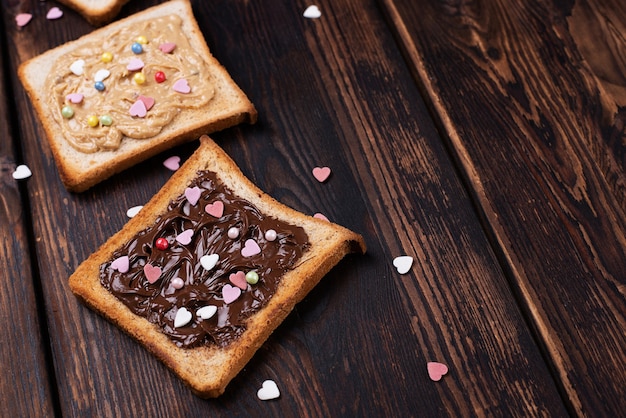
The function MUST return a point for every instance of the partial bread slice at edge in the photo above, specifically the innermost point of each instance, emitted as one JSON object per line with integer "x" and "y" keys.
{"x": 96, "y": 12}
{"x": 80, "y": 171}
{"x": 207, "y": 370}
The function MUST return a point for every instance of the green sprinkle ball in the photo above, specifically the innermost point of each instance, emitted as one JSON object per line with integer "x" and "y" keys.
{"x": 252, "y": 277}
{"x": 105, "y": 120}
{"x": 67, "y": 112}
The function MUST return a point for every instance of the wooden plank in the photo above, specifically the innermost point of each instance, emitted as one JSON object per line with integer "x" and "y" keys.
{"x": 24, "y": 382}
{"x": 526, "y": 119}
{"x": 333, "y": 91}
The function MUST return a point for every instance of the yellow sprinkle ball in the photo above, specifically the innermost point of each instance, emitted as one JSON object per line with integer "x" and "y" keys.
{"x": 142, "y": 40}
{"x": 93, "y": 121}
{"x": 106, "y": 57}
{"x": 139, "y": 78}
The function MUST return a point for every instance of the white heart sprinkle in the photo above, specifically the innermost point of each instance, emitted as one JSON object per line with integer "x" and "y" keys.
{"x": 268, "y": 391}
{"x": 403, "y": 263}
{"x": 78, "y": 67}
{"x": 312, "y": 12}
{"x": 209, "y": 261}
{"x": 22, "y": 172}
{"x": 206, "y": 312}
{"x": 133, "y": 211}
{"x": 183, "y": 317}
{"x": 101, "y": 75}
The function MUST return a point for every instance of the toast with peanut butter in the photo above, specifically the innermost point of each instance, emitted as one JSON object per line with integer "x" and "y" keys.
{"x": 208, "y": 269}
{"x": 96, "y": 12}
{"x": 128, "y": 91}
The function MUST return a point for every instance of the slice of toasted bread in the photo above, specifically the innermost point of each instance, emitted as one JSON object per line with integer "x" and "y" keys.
{"x": 96, "y": 12}
{"x": 207, "y": 365}
{"x": 87, "y": 154}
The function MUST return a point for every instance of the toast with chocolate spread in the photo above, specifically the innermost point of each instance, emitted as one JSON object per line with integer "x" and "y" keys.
{"x": 208, "y": 269}
{"x": 96, "y": 12}
{"x": 128, "y": 91}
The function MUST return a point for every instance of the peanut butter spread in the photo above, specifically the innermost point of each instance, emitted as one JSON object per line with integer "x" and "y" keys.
{"x": 95, "y": 90}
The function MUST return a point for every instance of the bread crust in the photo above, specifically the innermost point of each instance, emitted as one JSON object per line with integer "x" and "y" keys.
{"x": 207, "y": 370}
{"x": 80, "y": 171}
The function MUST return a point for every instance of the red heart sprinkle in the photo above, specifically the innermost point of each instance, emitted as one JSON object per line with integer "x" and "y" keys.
{"x": 321, "y": 174}
{"x": 215, "y": 209}
{"x": 436, "y": 370}
{"x": 152, "y": 273}
{"x": 239, "y": 280}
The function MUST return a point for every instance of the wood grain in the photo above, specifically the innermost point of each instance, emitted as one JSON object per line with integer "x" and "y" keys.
{"x": 512, "y": 69}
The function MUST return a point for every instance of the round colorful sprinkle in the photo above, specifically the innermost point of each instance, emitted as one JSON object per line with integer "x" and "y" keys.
{"x": 162, "y": 244}
{"x": 136, "y": 48}
{"x": 177, "y": 283}
{"x": 159, "y": 77}
{"x": 233, "y": 233}
{"x": 252, "y": 277}
{"x": 270, "y": 235}
{"x": 106, "y": 120}
{"x": 142, "y": 40}
{"x": 92, "y": 121}
{"x": 67, "y": 112}
{"x": 106, "y": 57}
{"x": 99, "y": 85}
{"x": 139, "y": 78}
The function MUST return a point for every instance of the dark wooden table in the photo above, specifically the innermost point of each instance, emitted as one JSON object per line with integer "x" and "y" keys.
{"x": 485, "y": 139}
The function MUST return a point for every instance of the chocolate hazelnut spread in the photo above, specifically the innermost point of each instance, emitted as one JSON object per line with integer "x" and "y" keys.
{"x": 244, "y": 240}
{"x": 147, "y": 60}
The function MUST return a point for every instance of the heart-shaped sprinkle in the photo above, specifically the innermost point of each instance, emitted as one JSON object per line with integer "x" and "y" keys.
{"x": 403, "y": 263}
{"x": 22, "y": 19}
{"x": 209, "y": 261}
{"x": 177, "y": 283}
{"x": 250, "y": 248}
{"x": 132, "y": 212}
{"x": 138, "y": 109}
{"x": 148, "y": 101}
{"x": 269, "y": 390}
{"x": 181, "y": 86}
{"x": 436, "y": 370}
{"x": 167, "y": 47}
{"x": 54, "y": 13}
{"x": 121, "y": 264}
{"x": 312, "y": 12}
{"x": 192, "y": 194}
{"x": 185, "y": 237}
{"x": 321, "y": 216}
{"x": 206, "y": 312}
{"x": 183, "y": 317}
{"x": 78, "y": 67}
{"x": 215, "y": 209}
{"x": 230, "y": 293}
{"x": 239, "y": 280}
{"x": 135, "y": 64}
{"x": 74, "y": 98}
{"x": 321, "y": 174}
{"x": 153, "y": 273}
{"x": 22, "y": 172}
{"x": 172, "y": 163}
{"x": 101, "y": 75}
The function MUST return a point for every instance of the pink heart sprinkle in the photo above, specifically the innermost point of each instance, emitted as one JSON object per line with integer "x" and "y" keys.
{"x": 321, "y": 216}
{"x": 172, "y": 163}
{"x": 121, "y": 264}
{"x": 148, "y": 101}
{"x": 138, "y": 109}
{"x": 135, "y": 64}
{"x": 436, "y": 370}
{"x": 22, "y": 19}
{"x": 54, "y": 13}
{"x": 239, "y": 280}
{"x": 152, "y": 272}
{"x": 230, "y": 293}
{"x": 192, "y": 194}
{"x": 74, "y": 98}
{"x": 167, "y": 47}
{"x": 321, "y": 173}
{"x": 185, "y": 237}
{"x": 250, "y": 248}
{"x": 215, "y": 209}
{"x": 181, "y": 86}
